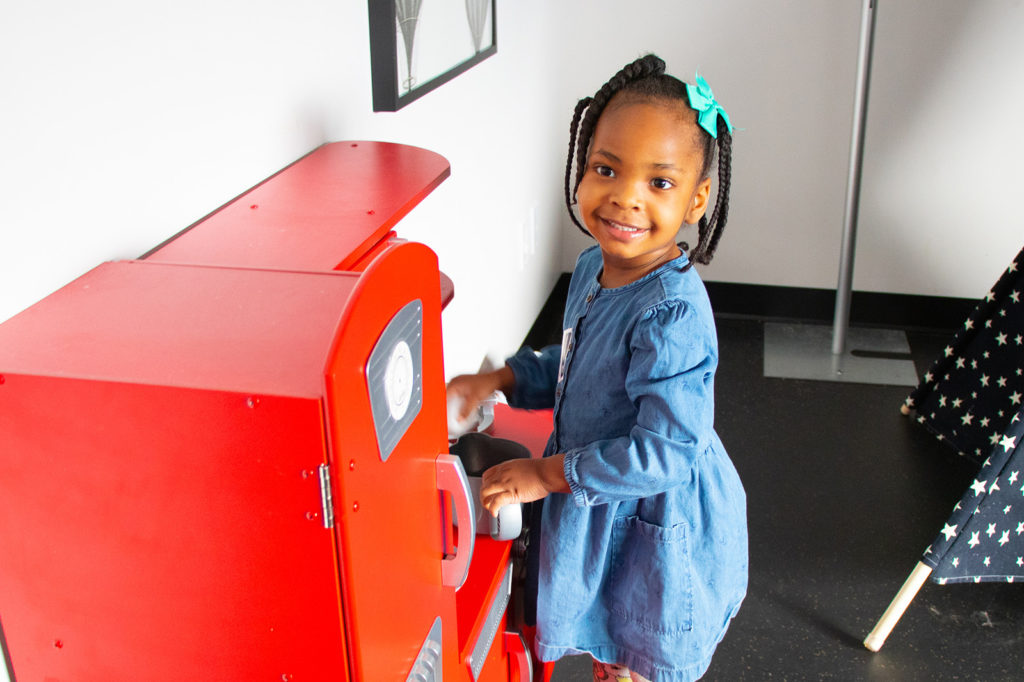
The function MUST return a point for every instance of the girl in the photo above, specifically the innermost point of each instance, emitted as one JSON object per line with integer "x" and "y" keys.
{"x": 642, "y": 543}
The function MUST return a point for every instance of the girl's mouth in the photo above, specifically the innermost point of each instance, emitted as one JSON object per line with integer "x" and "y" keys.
{"x": 622, "y": 230}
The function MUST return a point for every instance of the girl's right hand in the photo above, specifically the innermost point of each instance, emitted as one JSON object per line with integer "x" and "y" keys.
{"x": 472, "y": 389}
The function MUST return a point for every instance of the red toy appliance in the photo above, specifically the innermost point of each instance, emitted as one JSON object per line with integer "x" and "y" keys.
{"x": 228, "y": 460}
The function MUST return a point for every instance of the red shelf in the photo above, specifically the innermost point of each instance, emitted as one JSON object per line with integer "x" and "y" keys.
{"x": 326, "y": 211}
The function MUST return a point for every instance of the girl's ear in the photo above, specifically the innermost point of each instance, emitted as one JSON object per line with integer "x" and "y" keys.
{"x": 699, "y": 203}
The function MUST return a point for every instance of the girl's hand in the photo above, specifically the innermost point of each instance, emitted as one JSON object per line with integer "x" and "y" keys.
{"x": 473, "y": 389}
{"x": 522, "y": 480}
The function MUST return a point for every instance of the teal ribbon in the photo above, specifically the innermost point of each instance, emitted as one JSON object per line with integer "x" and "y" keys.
{"x": 707, "y": 107}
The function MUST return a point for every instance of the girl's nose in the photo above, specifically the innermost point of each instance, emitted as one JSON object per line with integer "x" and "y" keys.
{"x": 627, "y": 194}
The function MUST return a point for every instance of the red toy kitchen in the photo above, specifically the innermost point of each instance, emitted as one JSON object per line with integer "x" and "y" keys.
{"x": 229, "y": 459}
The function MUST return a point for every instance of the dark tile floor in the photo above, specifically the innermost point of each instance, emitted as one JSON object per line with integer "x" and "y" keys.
{"x": 844, "y": 494}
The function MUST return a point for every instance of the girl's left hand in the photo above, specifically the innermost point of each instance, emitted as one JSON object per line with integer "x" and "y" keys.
{"x": 522, "y": 480}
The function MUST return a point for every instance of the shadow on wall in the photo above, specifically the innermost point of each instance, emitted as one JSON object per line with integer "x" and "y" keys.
{"x": 934, "y": 144}
{"x": 912, "y": 70}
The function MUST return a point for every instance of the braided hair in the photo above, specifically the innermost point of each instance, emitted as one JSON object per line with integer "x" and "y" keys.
{"x": 645, "y": 80}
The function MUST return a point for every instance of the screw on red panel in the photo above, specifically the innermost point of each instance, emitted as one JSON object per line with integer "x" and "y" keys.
{"x": 370, "y": 212}
{"x": 354, "y": 144}
{"x": 2, "y": 379}
{"x": 252, "y": 401}
{"x": 351, "y": 465}
{"x": 58, "y": 644}
{"x": 312, "y": 516}
{"x": 355, "y": 506}
{"x": 254, "y": 206}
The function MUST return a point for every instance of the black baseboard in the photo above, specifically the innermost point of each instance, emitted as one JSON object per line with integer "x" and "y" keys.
{"x": 872, "y": 309}
{"x": 867, "y": 308}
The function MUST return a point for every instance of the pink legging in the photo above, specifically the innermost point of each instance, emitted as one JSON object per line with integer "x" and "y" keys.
{"x": 606, "y": 672}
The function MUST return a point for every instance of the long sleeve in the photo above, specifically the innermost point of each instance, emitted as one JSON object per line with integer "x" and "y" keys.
{"x": 536, "y": 375}
{"x": 669, "y": 380}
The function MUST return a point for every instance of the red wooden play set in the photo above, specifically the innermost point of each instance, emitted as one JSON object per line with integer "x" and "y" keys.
{"x": 228, "y": 459}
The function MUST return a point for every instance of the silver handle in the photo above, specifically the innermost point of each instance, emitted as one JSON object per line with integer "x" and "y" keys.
{"x": 451, "y": 477}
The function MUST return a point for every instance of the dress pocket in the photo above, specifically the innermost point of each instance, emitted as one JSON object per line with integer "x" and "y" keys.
{"x": 650, "y": 583}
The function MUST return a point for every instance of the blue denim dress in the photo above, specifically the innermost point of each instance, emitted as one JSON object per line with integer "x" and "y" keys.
{"x": 645, "y": 562}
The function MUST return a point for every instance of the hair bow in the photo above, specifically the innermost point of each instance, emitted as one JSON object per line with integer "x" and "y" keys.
{"x": 708, "y": 109}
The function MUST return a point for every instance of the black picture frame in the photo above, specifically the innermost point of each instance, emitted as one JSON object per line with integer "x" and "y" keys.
{"x": 385, "y": 49}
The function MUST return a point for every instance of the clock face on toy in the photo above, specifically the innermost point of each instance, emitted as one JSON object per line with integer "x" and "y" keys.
{"x": 398, "y": 380}
{"x": 394, "y": 376}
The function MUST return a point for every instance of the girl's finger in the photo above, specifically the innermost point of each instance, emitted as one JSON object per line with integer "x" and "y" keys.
{"x": 492, "y": 476}
{"x": 491, "y": 487}
{"x": 495, "y": 502}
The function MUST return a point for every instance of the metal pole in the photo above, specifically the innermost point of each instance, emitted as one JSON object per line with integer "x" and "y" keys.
{"x": 860, "y": 109}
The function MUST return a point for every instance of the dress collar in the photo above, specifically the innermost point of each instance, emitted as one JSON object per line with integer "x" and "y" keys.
{"x": 680, "y": 262}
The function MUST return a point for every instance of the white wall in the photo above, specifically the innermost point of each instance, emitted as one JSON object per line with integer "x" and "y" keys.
{"x": 938, "y": 212}
{"x": 943, "y": 160}
{"x": 122, "y": 123}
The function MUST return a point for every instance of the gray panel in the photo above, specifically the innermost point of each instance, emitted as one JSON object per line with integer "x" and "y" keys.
{"x": 804, "y": 351}
{"x": 394, "y": 374}
{"x": 428, "y": 665}
{"x": 490, "y": 628}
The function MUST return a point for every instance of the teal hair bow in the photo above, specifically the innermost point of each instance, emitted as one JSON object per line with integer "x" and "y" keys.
{"x": 707, "y": 107}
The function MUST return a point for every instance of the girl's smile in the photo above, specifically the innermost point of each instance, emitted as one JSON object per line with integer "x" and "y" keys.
{"x": 622, "y": 231}
{"x": 641, "y": 184}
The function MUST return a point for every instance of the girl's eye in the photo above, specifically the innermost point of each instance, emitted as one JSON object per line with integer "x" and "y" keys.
{"x": 661, "y": 183}
{"x": 604, "y": 171}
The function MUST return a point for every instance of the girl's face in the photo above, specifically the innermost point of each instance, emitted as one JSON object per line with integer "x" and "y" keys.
{"x": 641, "y": 184}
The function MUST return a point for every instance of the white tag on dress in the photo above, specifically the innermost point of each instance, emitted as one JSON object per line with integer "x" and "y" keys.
{"x": 566, "y": 342}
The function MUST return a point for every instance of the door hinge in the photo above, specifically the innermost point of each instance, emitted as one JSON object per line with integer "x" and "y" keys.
{"x": 326, "y": 502}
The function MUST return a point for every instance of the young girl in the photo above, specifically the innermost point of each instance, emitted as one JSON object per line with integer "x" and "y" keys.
{"x": 642, "y": 543}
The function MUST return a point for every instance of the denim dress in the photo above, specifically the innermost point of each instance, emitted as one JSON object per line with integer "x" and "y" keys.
{"x": 645, "y": 562}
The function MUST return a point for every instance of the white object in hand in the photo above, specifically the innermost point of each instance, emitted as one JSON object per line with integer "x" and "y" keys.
{"x": 456, "y": 426}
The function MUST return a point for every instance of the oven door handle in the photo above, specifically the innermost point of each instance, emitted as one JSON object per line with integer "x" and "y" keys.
{"x": 451, "y": 478}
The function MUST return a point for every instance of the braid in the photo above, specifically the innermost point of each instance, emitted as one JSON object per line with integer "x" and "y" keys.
{"x": 585, "y": 116}
{"x": 645, "y": 79}
{"x": 573, "y": 127}
{"x": 710, "y": 230}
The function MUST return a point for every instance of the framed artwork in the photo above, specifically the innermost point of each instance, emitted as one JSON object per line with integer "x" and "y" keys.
{"x": 418, "y": 45}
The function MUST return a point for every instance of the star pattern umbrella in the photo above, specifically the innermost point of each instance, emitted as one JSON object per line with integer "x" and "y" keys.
{"x": 972, "y": 398}
{"x": 971, "y": 392}
{"x": 983, "y": 541}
